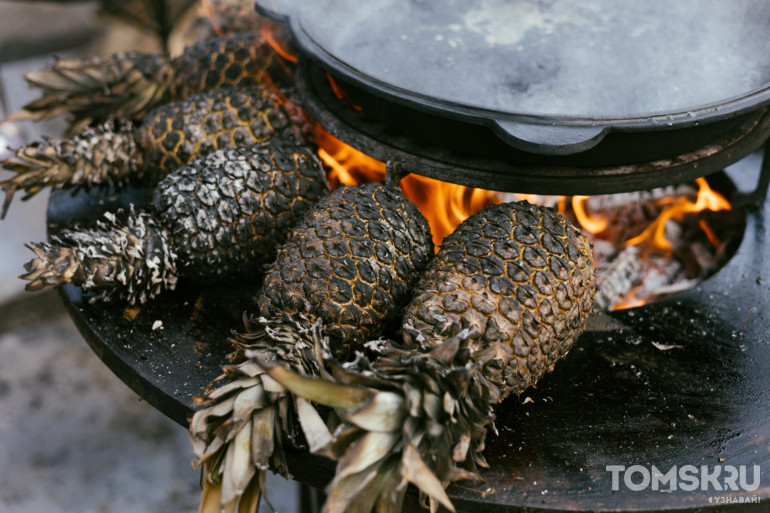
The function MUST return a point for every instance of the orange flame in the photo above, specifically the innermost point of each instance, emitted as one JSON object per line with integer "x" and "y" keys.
{"x": 340, "y": 93}
{"x": 712, "y": 237}
{"x": 655, "y": 234}
{"x": 348, "y": 166}
{"x": 592, "y": 225}
{"x": 445, "y": 205}
{"x": 276, "y": 38}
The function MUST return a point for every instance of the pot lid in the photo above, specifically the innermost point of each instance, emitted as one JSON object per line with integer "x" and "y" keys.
{"x": 525, "y": 66}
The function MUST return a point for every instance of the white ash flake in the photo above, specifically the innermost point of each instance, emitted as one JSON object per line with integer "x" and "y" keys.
{"x": 666, "y": 347}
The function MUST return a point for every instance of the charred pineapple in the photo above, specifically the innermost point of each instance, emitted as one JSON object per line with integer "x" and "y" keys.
{"x": 220, "y": 216}
{"x": 503, "y": 300}
{"x": 129, "y": 84}
{"x": 350, "y": 262}
{"x": 348, "y": 265}
{"x": 116, "y": 153}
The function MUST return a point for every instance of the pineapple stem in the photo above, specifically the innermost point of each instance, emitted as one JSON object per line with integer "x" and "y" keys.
{"x": 126, "y": 256}
{"x": 394, "y": 173}
{"x": 105, "y": 155}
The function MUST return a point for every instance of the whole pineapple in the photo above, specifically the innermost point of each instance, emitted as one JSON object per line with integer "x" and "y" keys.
{"x": 514, "y": 273}
{"x": 116, "y": 153}
{"x": 347, "y": 266}
{"x": 130, "y": 84}
{"x": 350, "y": 262}
{"x": 504, "y": 298}
{"x": 220, "y": 216}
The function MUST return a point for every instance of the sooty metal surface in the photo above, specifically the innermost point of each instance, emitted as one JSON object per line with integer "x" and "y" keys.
{"x": 617, "y": 399}
{"x": 552, "y": 77}
{"x": 470, "y": 155}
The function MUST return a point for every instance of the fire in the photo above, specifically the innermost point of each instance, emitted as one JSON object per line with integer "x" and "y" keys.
{"x": 445, "y": 205}
{"x": 591, "y": 225}
{"x": 275, "y": 36}
{"x": 676, "y": 208}
{"x": 340, "y": 93}
{"x": 347, "y": 165}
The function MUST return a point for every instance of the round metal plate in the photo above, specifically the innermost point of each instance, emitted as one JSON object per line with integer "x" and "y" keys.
{"x": 618, "y": 166}
{"x": 618, "y": 399}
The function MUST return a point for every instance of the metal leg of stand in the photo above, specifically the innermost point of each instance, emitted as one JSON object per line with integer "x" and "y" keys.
{"x": 756, "y": 198}
{"x": 310, "y": 499}
{"x": 760, "y": 193}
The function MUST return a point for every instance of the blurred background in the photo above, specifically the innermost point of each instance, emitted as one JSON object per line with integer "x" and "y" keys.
{"x": 74, "y": 437}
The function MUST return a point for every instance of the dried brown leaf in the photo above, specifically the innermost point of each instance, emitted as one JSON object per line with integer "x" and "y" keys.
{"x": 316, "y": 433}
{"x": 324, "y": 392}
{"x": 367, "y": 451}
{"x": 263, "y": 437}
{"x": 417, "y": 472}
{"x": 242, "y": 469}
{"x": 384, "y": 412}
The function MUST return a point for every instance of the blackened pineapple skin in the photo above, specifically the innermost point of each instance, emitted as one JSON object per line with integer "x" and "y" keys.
{"x": 115, "y": 153}
{"x": 515, "y": 273}
{"x": 235, "y": 60}
{"x": 176, "y": 133}
{"x": 228, "y": 212}
{"x": 219, "y": 218}
{"x": 503, "y": 299}
{"x": 351, "y": 262}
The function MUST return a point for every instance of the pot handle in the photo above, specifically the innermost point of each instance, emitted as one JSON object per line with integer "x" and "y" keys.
{"x": 550, "y": 139}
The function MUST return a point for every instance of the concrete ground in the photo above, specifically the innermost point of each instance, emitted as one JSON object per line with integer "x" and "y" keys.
{"x": 73, "y": 437}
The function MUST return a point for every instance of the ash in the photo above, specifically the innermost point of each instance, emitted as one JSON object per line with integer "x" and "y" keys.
{"x": 628, "y": 275}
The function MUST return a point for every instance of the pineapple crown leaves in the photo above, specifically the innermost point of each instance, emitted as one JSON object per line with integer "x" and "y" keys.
{"x": 105, "y": 155}
{"x": 127, "y": 256}
{"x": 234, "y": 439}
{"x": 403, "y": 417}
{"x": 125, "y": 84}
{"x": 244, "y": 424}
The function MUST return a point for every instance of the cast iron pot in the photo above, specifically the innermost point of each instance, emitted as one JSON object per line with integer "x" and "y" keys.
{"x": 589, "y": 83}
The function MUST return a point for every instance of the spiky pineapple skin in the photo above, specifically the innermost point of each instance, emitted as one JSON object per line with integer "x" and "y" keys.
{"x": 227, "y": 212}
{"x": 236, "y": 60}
{"x": 350, "y": 262}
{"x": 127, "y": 256}
{"x": 176, "y": 133}
{"x": 515, "y": 273}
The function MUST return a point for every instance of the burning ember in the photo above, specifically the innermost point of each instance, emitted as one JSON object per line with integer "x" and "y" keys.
{"x": 647, "y": 244}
